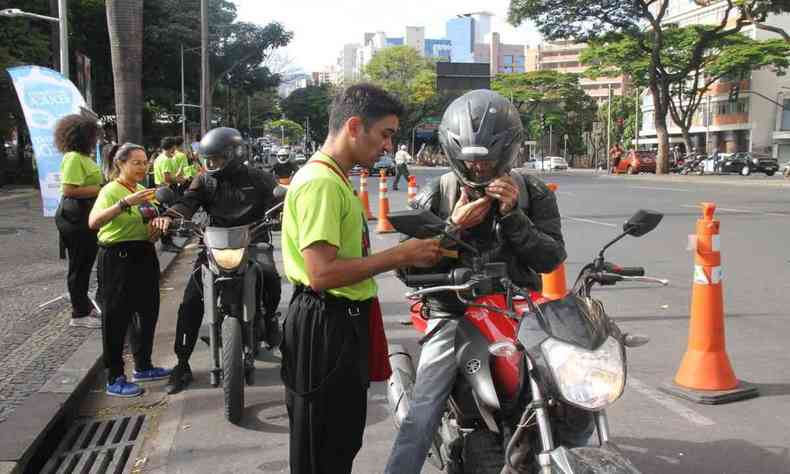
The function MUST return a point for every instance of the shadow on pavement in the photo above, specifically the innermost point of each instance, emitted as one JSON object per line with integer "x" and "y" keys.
{"x": 729, "y": 456}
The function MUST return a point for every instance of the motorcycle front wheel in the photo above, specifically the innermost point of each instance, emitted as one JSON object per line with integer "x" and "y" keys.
{"x": 232, "y": 369}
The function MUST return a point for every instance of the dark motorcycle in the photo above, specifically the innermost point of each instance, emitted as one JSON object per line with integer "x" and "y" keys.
{"x": 232, "y": 300}
{"x": 693, "y": 164}
{"x": 525, "y": 363}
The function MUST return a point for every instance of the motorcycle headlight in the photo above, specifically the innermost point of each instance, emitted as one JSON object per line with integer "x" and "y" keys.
{"x": 756, "y": 161}
{"x": 228, "y": 259}
{"x": 587, "y": 379}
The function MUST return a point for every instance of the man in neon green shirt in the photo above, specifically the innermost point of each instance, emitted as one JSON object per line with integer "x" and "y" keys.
{"x": 326, "y": 256}
{"x": 165, "y": 169}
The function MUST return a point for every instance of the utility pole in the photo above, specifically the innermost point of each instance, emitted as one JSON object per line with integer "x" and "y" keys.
{"x": 64, "y": 37}
{"x": 249, "y": 117}
{"x": 636, "y": 119}
{"x": 609, "y": 127}
{"x": 183, "y": 100}
{"x": 205, "y": 96}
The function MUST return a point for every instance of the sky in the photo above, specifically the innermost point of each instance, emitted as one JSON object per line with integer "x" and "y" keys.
{"x": 322, "y": 27}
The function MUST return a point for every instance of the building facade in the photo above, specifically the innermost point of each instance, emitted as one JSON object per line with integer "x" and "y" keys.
{"x": 563, "y": 56}
{"x": 502, "y": 58}
{"x": 755, "y": 121}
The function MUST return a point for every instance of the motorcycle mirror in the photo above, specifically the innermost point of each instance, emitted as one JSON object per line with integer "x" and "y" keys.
{"x": 418, "y": 223}
{"x": 635, "y": 340}
{"x": 165, "y": 195}
{"x": 642, "y": 222}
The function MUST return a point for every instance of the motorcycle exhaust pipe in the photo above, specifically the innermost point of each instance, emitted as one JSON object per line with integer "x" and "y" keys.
{"x": 400, "y": 383}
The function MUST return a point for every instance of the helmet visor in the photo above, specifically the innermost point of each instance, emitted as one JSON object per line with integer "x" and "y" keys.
{"x": 215, "y": 162}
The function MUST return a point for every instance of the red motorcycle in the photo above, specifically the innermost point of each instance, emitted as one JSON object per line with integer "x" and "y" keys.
{"x": 524, "y": 363}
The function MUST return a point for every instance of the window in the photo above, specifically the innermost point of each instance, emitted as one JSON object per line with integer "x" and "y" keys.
{"x": 739, "y": 107}
{"x": 508, "y": 59}
{"x": 786, "y": 115}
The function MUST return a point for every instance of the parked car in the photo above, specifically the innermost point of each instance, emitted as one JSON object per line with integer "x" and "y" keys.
{"x": 385, "y": 163}
{"x": 553, "y": 163}
{"x": 637, "y": 161}
{"x": 746, "y": 163}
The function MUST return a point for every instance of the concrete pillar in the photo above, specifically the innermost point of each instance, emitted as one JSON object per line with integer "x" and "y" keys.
{"x": 730, "y": 139}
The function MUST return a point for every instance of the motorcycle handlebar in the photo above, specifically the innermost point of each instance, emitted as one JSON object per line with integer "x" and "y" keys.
{"x": 428, "y": 279}
{"x": 624, "y": 271}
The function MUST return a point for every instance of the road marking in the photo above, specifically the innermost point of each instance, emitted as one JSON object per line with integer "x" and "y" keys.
{"x": 668, "y": 403}
{"x": 663, "y": 189}
{"x": 565, "y": 193}
{"x": 590, "y": 221}
{"x": 740, "y": 211}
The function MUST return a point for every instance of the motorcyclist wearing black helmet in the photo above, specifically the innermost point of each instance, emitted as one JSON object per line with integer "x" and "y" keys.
{"x": 480, "y": 134}
{"x": 232, "y": 195}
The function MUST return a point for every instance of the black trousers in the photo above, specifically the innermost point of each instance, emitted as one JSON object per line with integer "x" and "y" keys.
{"x": 190, "y": 312}
{"x": 401, "y": 170}
{"x": 128, "y": 296}
{"x": 81, "y": 247}
{"x": 324, "y": 370}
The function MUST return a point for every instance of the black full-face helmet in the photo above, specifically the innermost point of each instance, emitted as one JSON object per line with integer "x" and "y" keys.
{"x": 480, "y": 125}
{"x": 222, "y": 148}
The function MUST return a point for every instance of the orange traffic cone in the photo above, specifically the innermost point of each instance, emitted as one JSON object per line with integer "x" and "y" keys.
{"x": 705, "y": 374}
{"x": 363, "y": 195}
{"x": 384, "y": 226}
{"x": 412, "y": 190}
{"x": 554, "y": 283}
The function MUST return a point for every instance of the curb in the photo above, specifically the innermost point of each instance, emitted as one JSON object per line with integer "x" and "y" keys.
{"x": 704, "y": 179}
{"x": 36, "y": 419}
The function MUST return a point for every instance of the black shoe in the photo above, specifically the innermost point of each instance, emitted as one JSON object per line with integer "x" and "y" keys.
{"x": 180, "y": 377}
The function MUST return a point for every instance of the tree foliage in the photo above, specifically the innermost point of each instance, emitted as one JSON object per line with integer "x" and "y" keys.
{"x": 310, "y": 104}
{"x": 643, "y": 21}
{"x": 558, "y": 97}
{"x": 292, "y": 131}
{"x": 412, "y": 79}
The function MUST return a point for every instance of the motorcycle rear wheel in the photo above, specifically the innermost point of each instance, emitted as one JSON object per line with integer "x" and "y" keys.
{"x": 232, "y": 369}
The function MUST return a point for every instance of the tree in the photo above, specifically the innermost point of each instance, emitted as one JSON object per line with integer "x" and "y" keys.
{"x": 555, "y": 96}
{"x": 310, "y": 104}
{"x": 640, "y": 21}
{"x": 623, "y": 125}
{"x": 729, "y": 56}
{"x": 756, "y": 12}
{"x": 125, "y": 25}
{"x": 411, "y": 78}
{"x": 292, "y": 131}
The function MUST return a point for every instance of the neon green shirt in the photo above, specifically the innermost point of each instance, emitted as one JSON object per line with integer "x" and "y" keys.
{"x": 163, "y": 164}
{"x": 180, "y": 163}
{"x": 321, "y": 207}
{"x": 79, "y": 170}
{"x": 126, "y": 226}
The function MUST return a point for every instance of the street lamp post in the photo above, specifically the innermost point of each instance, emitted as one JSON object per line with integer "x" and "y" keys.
{"x": 63, "y": 24}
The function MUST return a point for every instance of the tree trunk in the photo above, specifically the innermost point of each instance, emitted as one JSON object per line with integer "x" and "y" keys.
{"x": 686, "y": 138}
{"x": 660, "y": 95}
{"x": 125, "y": 25}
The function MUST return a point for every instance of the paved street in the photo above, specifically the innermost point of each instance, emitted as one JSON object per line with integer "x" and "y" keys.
{"x": 659, "y": 433}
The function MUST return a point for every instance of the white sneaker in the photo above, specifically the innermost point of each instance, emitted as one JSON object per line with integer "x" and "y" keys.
{"x": 91, "y": 321}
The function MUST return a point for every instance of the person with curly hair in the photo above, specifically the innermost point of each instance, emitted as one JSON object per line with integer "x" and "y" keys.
{"x": 81, "y": 179}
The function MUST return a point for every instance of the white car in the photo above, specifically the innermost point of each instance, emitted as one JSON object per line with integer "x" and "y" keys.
{"x": 551, "y": 163}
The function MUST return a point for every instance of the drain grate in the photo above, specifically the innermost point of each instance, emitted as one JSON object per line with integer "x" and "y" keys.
{"x": 98, "y": 446}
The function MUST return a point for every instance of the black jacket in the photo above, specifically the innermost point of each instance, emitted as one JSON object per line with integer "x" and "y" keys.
{"x": 531, "y": 234}
{"x": 239, "y": 195}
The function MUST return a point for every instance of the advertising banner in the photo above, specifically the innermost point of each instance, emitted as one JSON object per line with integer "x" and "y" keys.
{"x": 45, "y": 96}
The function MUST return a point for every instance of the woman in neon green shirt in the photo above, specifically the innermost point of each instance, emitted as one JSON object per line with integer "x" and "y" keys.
{"x": 81, "y": 179}
{"x": 128, "y": 270}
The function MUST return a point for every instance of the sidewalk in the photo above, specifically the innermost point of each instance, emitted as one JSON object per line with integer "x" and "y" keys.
{"x": 29, "y": 424}
{"x": 754, "y": 180}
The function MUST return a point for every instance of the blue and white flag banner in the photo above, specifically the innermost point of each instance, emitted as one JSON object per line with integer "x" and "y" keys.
{"x": 46, "y": 96}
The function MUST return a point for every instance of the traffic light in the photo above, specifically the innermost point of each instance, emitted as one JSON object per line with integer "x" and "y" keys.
{"x": 542, "y": 120}
{"x": 734, "y": 91}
